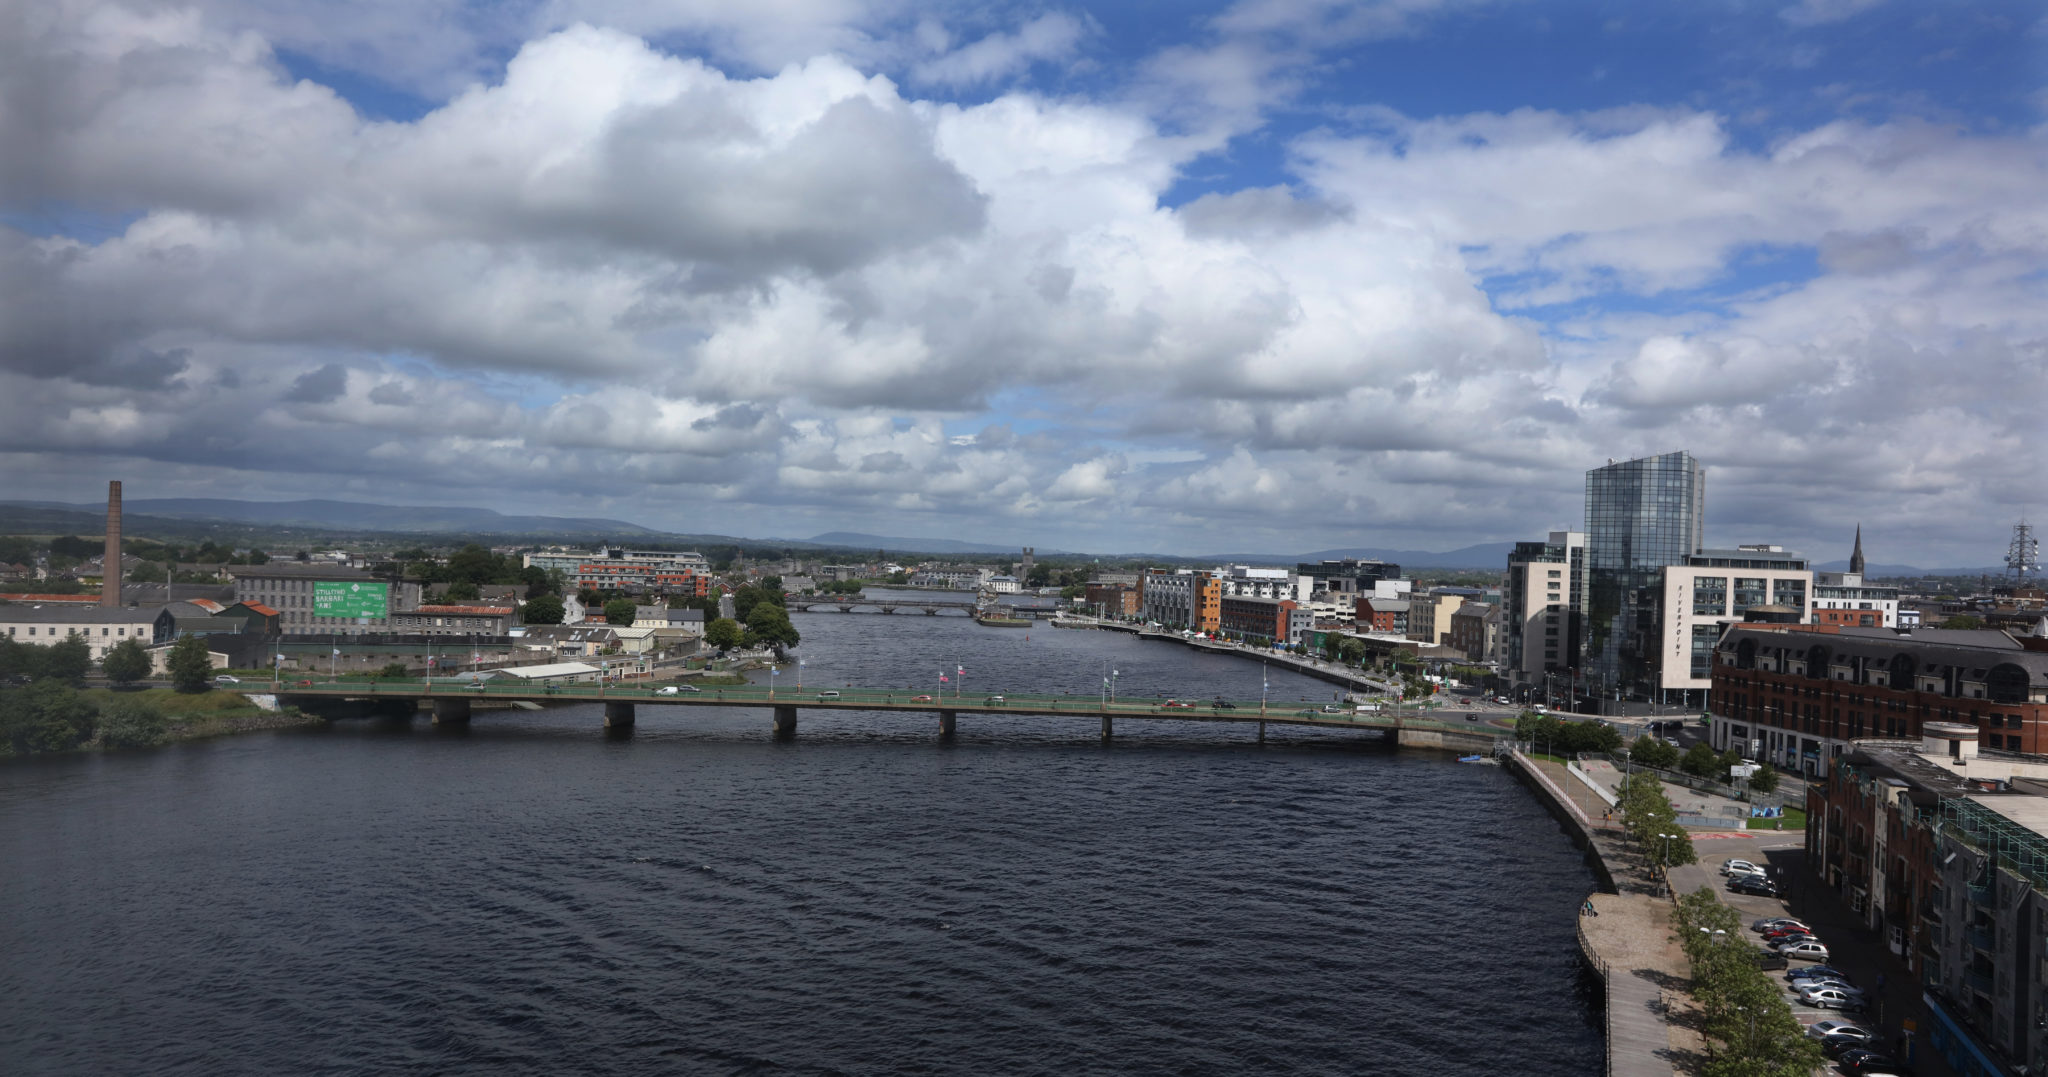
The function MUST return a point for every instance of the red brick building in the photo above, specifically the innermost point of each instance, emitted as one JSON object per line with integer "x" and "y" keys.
{"x": 1796, "y": 695}
{"x": 1114, "y": 599}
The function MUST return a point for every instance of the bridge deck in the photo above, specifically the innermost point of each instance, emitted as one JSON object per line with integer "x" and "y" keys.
{"x": 874, "y": 699}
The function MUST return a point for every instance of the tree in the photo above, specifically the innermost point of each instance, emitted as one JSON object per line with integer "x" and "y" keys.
{"x": 722, "y": 633}
{"x": 69, "y": 659}
{"x": 1700, "y": 760}
{"x": 148, "y": 572}
{"x": 542, "y": 610}
{"x": 476, "y": 565}
{"x": 132, "y": 723}
{"x": 1039, "y": 576}
{"x": 1652, "y": 751}
{"x": 47, "y": 716}
{"x": 74, "y": 547}
{"x": 127, "y": 662}
{"x": 1963, "y": 620}
{"x": 258, "y": 557}
{"x": 619, "y": 612}
{"x": 191, "y": 667}
{"x": 769, "y": 623}
{"x": 302, "y": 556}
{"x": 1765, "y": 780}
{"x": 463, "y": 591}
{"x": 393, "y": 671}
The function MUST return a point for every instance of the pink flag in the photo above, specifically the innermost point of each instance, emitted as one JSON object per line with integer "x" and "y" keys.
{"x": 942, "y": 678}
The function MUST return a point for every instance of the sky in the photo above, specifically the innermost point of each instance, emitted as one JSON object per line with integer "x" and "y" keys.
{"x": 1178, "y": 277}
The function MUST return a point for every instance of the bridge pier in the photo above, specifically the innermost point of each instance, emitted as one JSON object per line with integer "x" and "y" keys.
{"x": 1262, "y": 732}
{"x": 785, "y": 722}
{"x": 451, "y": 712}
{"x": 1108, "y": 730}
{"x": 617, "y": 715}
{"x": 945, "y": 725}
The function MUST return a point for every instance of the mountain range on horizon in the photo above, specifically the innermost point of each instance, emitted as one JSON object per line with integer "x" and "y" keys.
{"x": 352, "y": 516}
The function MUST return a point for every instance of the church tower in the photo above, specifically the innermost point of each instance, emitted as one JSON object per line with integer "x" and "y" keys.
{"x": 1856, "y": 556}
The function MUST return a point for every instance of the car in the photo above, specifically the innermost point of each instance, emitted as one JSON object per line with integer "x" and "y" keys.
{"x": 1768, "y": 961}
{"x": 669, "y": 690}
{"x": 1802, "y": 950}
{"x": 1332, "y": 708}
{"x": 1819, "y": 1030}
{"x": 1743, "y": 866}
{"x": 995, "y": 701}
{"x": 920, "y": 699}
{"x": 1816, "y": 972}
{"x": 828, "y": 694}
{"x": 1753, "y": 886}
{"x": 1834, "y": 983}
{"x": 1837, "y": 1046}
{"x": 302, "y": 684}
{"x": 1177, "y": 705}
{"x": 1770, "y": 922}
{"x": 688, "y": 688}
{"x": 1868, "y": 1062}
{"x": 1778, "y": 934}
{"x": 1832, "y": 998}
{"x": 226, "y": 679}
{"x": 1224, "y": 705}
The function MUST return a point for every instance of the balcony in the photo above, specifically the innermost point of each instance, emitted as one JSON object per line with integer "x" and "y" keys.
{"x": 1978, "y": 981}
{"x": 1984, "y": 940}
{"x": 1980, "y": 895}
{"x": 1930, "y": 912}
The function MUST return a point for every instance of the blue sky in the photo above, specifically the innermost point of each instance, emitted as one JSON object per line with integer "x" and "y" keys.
{"x": 1288, "y": 273}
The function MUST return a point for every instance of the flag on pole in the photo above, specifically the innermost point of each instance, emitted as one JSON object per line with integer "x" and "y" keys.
{"x": 961, "y": 670}
{"x": 943, "y": 680}
{"x": 337, "y": 652}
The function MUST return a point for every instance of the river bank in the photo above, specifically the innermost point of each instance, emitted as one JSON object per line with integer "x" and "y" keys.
{"x": 1310, "y": 667}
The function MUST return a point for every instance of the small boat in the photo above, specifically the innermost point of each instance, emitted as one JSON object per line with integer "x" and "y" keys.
{"x": 1471, "y": 759}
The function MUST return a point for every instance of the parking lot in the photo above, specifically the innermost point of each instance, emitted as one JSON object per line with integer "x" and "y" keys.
{"x": 1852, "y": 948}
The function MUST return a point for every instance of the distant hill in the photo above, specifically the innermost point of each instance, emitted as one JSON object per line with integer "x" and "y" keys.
{"x": 1486, "y": 555}
{"x": 1874, "y": 571}
{"x": 855, "y": 540}
{"x": 351, "y": 515}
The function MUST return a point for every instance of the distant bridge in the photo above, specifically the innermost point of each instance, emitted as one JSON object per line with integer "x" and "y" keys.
{"x": 928, "y": 606}
{"x": 453, "y": 704}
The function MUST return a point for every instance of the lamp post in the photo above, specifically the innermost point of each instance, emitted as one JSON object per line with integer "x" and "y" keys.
{"x": 1664, "y": 861}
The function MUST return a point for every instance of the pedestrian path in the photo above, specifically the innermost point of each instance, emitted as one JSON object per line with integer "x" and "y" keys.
{"x": 1630, "y": 943}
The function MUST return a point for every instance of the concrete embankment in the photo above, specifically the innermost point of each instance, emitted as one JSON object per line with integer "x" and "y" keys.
{"x": 1626, "y": 935}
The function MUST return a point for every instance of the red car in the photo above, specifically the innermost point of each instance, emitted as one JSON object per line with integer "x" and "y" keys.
{"x": 920, "y": 699}
{"x": 1176, "y": 704}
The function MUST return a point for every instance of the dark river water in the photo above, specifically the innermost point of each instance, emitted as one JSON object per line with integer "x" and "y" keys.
{"x": 530, "y": 896}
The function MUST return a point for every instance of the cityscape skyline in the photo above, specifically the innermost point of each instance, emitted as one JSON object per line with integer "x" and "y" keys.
{"x": 1273, "y": 274}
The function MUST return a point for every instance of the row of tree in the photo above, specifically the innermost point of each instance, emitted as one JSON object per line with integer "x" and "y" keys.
{"x": 1700, "y": 761}
{"x": 1555, "y": 735}
{"x": 1652, "y": 822}
{"x": 1750, "y": 1028}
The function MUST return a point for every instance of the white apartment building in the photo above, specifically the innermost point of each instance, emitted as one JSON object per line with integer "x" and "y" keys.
{"x": 1543, "y": 607}
{"x": 1843, "y": 598}
{"x": 1713, "y": 589}
{"x": 1169, "y": 597}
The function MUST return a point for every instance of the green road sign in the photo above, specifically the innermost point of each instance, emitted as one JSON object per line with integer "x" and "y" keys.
{"x": 351, "y": 599}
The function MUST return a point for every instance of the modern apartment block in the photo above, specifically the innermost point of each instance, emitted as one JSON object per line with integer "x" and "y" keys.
{"x": 1697, "y": 600}
{"x": 1544, "y": 603}
{"x": 1182, "y": 599}
{"x": 1641, "y": 517}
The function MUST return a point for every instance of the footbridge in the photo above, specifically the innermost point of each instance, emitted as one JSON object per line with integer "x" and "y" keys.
{"x": 928, "y": 607}
{"x": 622, "y": 706}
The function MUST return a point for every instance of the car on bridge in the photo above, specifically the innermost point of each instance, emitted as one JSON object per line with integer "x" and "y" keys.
{"x": 996, "y": 701}
{"x": 1222, "y": 704}
{"x": 226, "y": 679}
{"x": 920, "y": 699}
{"x": 1177, "y": 705}
{"x": 676, "y": 689}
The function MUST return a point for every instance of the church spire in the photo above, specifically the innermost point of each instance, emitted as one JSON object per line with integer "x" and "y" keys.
{"x": 1856, "y": 557}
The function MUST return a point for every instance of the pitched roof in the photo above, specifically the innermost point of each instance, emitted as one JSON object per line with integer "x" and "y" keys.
{"x": 79, "y": 615}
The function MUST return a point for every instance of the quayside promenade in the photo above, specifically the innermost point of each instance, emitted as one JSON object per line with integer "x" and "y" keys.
{"x": 455, "y": 703}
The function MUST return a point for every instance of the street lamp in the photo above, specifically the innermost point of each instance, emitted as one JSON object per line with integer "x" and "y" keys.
{"x": 1664, "y": 860}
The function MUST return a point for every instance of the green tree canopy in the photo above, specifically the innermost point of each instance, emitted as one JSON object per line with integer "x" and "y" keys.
{"x": 1700, "y": 760}
{"x": 463, "y": 591}
{"x": 68, "y": 659}
{"x": 127, "y": 662}
{"x": 132, "y": 723}
{"x": 542, "y": 610}
{"x": 1765, "y": 780}
{"x": 722, "y": 633}
{"x": 191, "y": 667}
{"x": 47, "y": 716}
{"x": 1652, "y": 751}
{"x": 1963, "y": 620}
{"x": 769, "y": 623}
{"x": 619, "y": 612}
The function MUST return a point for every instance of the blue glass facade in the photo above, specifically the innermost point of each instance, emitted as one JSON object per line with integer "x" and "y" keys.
{"x": 1641, "y": 515}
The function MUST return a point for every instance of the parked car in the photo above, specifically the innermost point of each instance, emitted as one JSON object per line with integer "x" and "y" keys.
{"x": 1832, "y": 998}
{"x": 1768, "y": 961}
{"x": 1742, "y": 866}
{"x": 1802, "y": 950}
{"x": 1837, "y": 1046}
{"x": 1752, "y": 885}
{"x": 1780, "y": 934}
{"x": 1811, "y": 972}
{"x": 1821, "y": 1030}
{"x": 1769, "y": 922}
{"x": 1829, "y": 983}
{"x": 1865, "y": 1062}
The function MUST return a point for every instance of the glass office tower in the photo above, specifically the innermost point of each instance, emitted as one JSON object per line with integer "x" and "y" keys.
{"x": 1641, "y": 515}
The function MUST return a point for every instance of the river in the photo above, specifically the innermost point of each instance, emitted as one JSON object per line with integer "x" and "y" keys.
{"x": 530, "y": 896}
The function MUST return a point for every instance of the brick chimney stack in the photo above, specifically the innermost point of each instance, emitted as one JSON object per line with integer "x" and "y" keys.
{"x": 110, "y": 574}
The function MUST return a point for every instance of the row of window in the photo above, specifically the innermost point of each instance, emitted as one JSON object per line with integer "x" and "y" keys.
{"x": 54, "y": 632}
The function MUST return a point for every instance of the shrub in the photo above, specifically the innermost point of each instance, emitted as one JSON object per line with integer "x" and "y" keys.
{"x": 132, "y": 724}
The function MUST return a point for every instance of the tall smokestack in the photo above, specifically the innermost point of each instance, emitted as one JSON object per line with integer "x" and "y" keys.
{"x": 110, "y": 575}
